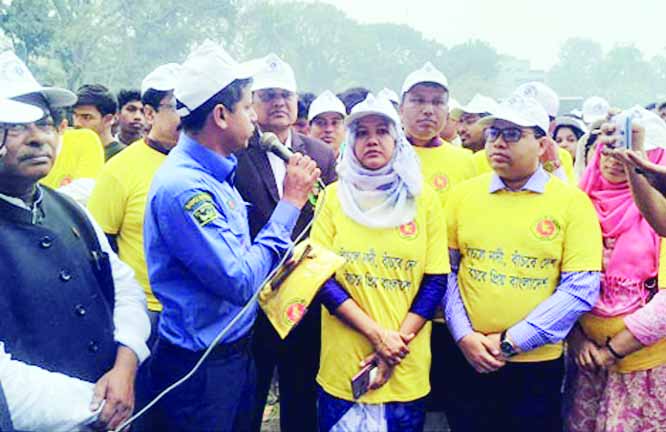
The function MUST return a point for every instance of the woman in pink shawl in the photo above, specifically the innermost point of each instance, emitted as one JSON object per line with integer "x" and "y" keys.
{"x": 621, "y": 381}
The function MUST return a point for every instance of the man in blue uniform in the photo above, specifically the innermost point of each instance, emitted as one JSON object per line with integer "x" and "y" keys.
{"x": 202, "y": 264}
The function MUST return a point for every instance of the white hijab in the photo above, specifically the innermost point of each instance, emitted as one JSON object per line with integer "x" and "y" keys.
{"x": 382, "y": 198}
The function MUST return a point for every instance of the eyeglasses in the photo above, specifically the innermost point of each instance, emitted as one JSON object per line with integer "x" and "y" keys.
{"x": 11, "y": 130}
{"x": 271, "y": 95}
{"x": 509, "y": 135}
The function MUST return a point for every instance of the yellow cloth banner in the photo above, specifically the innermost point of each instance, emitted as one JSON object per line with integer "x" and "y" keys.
{"x": 296, "y": 284}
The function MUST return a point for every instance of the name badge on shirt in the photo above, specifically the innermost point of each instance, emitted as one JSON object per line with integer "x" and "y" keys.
{"x": 202, "y": 208}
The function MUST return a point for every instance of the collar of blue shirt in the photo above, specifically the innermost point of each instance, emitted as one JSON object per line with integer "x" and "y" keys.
{"x": 536, "y": 183}
{"x": 220, "y": 167}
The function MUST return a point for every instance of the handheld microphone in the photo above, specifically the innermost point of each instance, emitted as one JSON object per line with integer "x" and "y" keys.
{"x": 269, "y": 142}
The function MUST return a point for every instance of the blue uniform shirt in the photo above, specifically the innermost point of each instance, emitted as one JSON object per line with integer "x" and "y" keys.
{"x": 202, "y": 265}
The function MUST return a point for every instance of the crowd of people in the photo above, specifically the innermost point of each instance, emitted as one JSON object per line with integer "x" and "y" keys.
{"x": 502, "y": 258}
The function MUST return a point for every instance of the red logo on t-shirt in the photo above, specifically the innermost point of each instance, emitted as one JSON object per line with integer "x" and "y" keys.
{"x": 547, "y": 228}
{"x": 440, "y": 182}
{"x": 295, "y": 312}
{"x": 66, "y": 180}
{"x": 408, "y": 230}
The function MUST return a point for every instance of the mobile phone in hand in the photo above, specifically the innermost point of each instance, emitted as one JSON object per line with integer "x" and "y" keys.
{"x": 622, "y": 124}
{"x": 360, "y": 382}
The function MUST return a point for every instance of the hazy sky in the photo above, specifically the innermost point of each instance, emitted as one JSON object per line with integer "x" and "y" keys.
{"x": 527, "y": 29}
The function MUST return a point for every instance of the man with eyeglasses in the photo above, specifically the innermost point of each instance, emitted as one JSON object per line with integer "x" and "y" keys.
{"x": 523, "y": 270}
{"x": 424, "y": 112}
{"x": 68, "y": 304}
{"x": 118, "y": 201}
{"x": 259, "y": 180}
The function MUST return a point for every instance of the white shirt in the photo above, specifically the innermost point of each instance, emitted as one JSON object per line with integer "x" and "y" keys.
{"x": 41, "y": 400}
{"x": 279, "y": 167}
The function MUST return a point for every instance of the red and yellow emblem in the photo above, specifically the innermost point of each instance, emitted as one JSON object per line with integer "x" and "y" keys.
{"x": 295, "y": 311}
{"x": 440, "y": 182}
{"x": 546, "y": 228}
{"x": 408, "y": 230}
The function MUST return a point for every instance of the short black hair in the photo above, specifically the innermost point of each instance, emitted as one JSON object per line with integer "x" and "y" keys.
{"x": 154, "y": 98}
{"x": 304, "y": 102}
{"x": 661, "y": 105}
{"x": 353, "y": 96}
{"x": 228, "y": 96}
{"x": 126, "y": 96}
{"x": 98, "y": 96}
{"x": 538, "y": 132}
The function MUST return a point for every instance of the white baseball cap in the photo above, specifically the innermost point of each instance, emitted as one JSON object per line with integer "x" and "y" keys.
{"x": 543, "y": 94}
{"x": 18, "y": 112}
{"x": 207, "y": 71}
{"x": 571, "y": 122}
{"x": 372, "y": 105}
{"x": 479, "y": 104}
{"x": 595, "y": 108}
{"x": 428, "y": 73}
{"x": 163, "y": 78}
{"x": 274, "y": 73}
{"x": 389, "y": 94}
{"x": 326, "y": 102}
{"x": 17, "y": 80}
{"x": 520, "y": 110}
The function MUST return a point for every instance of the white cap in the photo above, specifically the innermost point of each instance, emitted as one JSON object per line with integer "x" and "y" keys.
{"x": 522, "y": 111}
{"x": 372, "y": 105}
{"x": 428, "y": 73}
{"x": 595, "y": 108}
{"x": 18, "y": 112}
{"x": 274, "y": 73}
{"x": 163, "y": 78}
{"x": 478, "y": 105}
{"x": 543, "y": 94}
{"x": 326, "y": 102}
{"x": 389, "y": 94}
{"x": 207, "y": 71}
{"x": 17, "y": 80}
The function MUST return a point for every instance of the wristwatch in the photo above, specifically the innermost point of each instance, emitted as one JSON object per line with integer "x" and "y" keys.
{"x": 506, "y": 346}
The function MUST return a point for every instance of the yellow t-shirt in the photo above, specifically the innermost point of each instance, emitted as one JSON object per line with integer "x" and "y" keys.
{"x": 118, "y": 203}
{"x": 382, "y": 274}
{"x": 482, "y": 165}
{"x": 444, "y": 167}
{"x": 513, "y": 247}
{"x": 81, "y": 156}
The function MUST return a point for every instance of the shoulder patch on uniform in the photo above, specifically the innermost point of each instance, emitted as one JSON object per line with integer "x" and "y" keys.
{"x": 202, "y": 207}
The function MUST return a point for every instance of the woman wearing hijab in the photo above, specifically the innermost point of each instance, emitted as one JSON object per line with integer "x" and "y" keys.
{"x": 390, "y": 228}
{"x": 620, "y": 385}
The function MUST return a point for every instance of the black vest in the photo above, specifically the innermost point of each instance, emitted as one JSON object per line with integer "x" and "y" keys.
{"x": 56, "y": 289}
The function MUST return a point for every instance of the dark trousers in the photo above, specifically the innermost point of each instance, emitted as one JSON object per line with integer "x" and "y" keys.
{"x": 218, "y": 397}
{"x": 447, "y": 360}
{"x": 519, "y": 397}
{"x": 297, "y": 362}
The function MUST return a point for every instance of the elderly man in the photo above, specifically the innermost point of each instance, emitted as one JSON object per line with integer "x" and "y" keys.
{"x": 523, "y": 271}
{"x": 259, "y": 181}
{"x": 69, "y": 305}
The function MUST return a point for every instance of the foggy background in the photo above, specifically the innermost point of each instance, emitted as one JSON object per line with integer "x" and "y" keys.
{"x": 580, "y": 48}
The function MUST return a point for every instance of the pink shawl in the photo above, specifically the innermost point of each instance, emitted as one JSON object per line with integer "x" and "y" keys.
{"x": 631, "y": 247}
